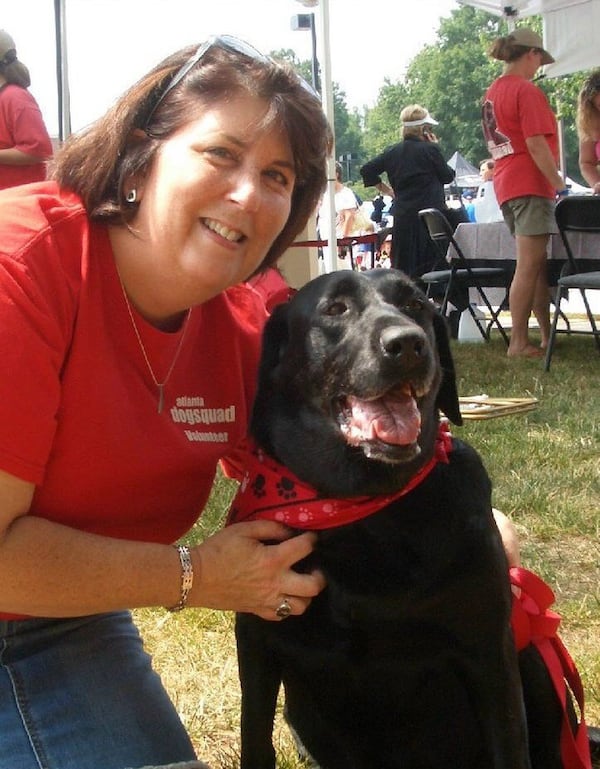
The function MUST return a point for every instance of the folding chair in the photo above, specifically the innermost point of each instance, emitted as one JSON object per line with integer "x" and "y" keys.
{"x": 455, "y": 273}
{"x": 575, "y": 213}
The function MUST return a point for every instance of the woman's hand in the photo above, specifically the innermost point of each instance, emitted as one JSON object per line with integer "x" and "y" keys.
{"x": 429, "y": 136}
{"x": 247, "y": 567}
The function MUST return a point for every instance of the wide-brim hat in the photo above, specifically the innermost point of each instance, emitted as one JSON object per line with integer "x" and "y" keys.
{"x": 530, "y": 39}
{"x": 6, "y": 43}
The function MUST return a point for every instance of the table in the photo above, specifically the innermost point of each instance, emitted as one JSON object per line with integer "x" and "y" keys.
{"x": 492, "y": 244}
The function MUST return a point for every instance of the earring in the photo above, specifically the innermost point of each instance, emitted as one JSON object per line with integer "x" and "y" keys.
{"x": 131, "y": 196}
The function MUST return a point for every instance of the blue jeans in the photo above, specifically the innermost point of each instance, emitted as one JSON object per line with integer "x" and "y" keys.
{"x": 81, "y": 694}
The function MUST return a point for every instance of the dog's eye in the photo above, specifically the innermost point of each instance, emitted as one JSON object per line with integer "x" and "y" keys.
{"x": 413, "y": 305}
{"x": 337, "y": 307}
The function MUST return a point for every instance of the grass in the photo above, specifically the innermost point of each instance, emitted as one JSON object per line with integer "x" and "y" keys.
{"x": 545, "y": 468}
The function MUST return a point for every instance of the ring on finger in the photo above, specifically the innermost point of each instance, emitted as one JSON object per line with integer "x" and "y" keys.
{"x": 284, "y": 609}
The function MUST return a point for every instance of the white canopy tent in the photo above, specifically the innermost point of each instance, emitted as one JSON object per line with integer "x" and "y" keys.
{"x": 571, "y": 34}
{"x": 570, "y": 28}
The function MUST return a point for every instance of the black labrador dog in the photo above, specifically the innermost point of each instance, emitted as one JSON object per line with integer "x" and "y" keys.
{"x": 406, "y": 660}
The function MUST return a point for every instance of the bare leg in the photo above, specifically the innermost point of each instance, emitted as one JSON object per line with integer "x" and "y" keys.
{"x": 525, "y": 290}
{"x": 541, "y": 307}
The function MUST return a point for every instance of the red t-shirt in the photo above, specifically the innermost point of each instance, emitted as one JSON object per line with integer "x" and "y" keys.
{"x": 515, "y": 109}
{"x": 78, "y": 407}
{"x": 22, "y": 127}
{"x": 272, "y": 288}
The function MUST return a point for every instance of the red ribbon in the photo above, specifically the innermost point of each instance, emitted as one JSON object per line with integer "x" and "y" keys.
{"x": 269, "y": 490}
{"x": 533, "y": 623}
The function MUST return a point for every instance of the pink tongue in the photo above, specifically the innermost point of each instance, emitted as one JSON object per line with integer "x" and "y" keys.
{"x": 394, "y": 419}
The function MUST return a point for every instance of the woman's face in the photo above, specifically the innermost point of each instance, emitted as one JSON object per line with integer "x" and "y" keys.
{"x": 218, "y": 194}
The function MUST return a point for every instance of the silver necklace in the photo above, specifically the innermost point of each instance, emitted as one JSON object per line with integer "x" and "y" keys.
{"x": 159, "y": 385}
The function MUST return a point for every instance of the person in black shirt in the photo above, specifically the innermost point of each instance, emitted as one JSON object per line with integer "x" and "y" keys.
{"x": 416, "y": 171}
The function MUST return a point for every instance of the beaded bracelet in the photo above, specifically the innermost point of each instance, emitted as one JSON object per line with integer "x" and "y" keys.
{"x": 187, "y": 577}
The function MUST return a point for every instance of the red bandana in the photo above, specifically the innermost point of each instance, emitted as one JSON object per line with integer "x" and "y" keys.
{"x": 533, "y": 622}
{"x": 269, "y": 490}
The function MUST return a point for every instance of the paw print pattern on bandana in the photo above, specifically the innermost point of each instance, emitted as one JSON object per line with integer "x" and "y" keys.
{"x": 271, "y": 492}
{"x": 286, "y": 488}
{"x": 258, "y": 486}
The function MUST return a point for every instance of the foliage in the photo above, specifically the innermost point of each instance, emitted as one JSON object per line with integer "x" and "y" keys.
{"x": 449, "y": 77}
{"x": 347, "y": 125}
{"x": 382, "y": 123}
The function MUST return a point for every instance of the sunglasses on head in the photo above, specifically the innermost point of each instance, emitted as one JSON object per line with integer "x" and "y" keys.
{"x": 228, "y": 43}
{"x": 9, "y": 58}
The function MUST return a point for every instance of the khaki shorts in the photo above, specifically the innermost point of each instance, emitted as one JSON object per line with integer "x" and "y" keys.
{"x": 530, "y": 215}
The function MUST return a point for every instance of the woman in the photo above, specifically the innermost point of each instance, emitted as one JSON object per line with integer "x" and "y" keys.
{"x": 24, "y": 142}
{"x": 588, "y": 130}
{"x": 132, "y": 345}
{"x": 417, "y": 172}
{"x": 521, "y": 135}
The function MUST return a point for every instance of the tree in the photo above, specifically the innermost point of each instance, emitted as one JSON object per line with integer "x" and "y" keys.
{"x": 382, "y": 122}
{"x": 347, "y": 125}
{"x": 450, "y": 76}
{"x": 348, "y": 134}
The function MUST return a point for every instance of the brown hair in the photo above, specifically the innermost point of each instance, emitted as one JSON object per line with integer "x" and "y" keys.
{"x": 588, "y": 117}
{"x": 14, "y": 71}
{"x": 97, "y": 162}
{"x": 505, "y": 49}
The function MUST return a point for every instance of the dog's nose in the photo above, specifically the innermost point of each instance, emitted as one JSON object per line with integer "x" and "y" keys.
{"x": 400, "y": 342}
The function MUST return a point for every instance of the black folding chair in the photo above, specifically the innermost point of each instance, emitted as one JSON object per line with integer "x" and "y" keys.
{"x": 575, "y": 213}
{"x": 452, "y": 272}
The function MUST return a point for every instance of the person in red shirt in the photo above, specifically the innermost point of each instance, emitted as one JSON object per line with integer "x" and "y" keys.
{"x": 130, "y": 341}
{"x": 588, "y": 130}
{"x": 25, "y": 145}
{"x": 521, "y": 135}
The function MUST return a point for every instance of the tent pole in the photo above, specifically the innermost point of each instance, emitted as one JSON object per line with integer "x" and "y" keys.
{"x": 62, "y": 77}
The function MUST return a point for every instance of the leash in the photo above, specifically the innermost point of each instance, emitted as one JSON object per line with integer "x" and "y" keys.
{"x": 533, "y": 622}
{"x": 270, "y": 491}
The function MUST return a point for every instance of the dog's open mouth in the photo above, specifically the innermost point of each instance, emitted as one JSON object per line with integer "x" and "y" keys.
{"x": 392, "y": 421}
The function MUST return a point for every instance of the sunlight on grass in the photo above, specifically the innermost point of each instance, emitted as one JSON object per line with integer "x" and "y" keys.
{"x": 545, "y": 470}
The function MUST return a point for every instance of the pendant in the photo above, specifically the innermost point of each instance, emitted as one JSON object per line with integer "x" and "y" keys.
{"x": 161, "y": 397}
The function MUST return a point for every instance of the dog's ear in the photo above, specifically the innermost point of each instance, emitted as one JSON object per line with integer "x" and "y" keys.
{"x": 447, "y": 398}
{"x": 274, "y": 342}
